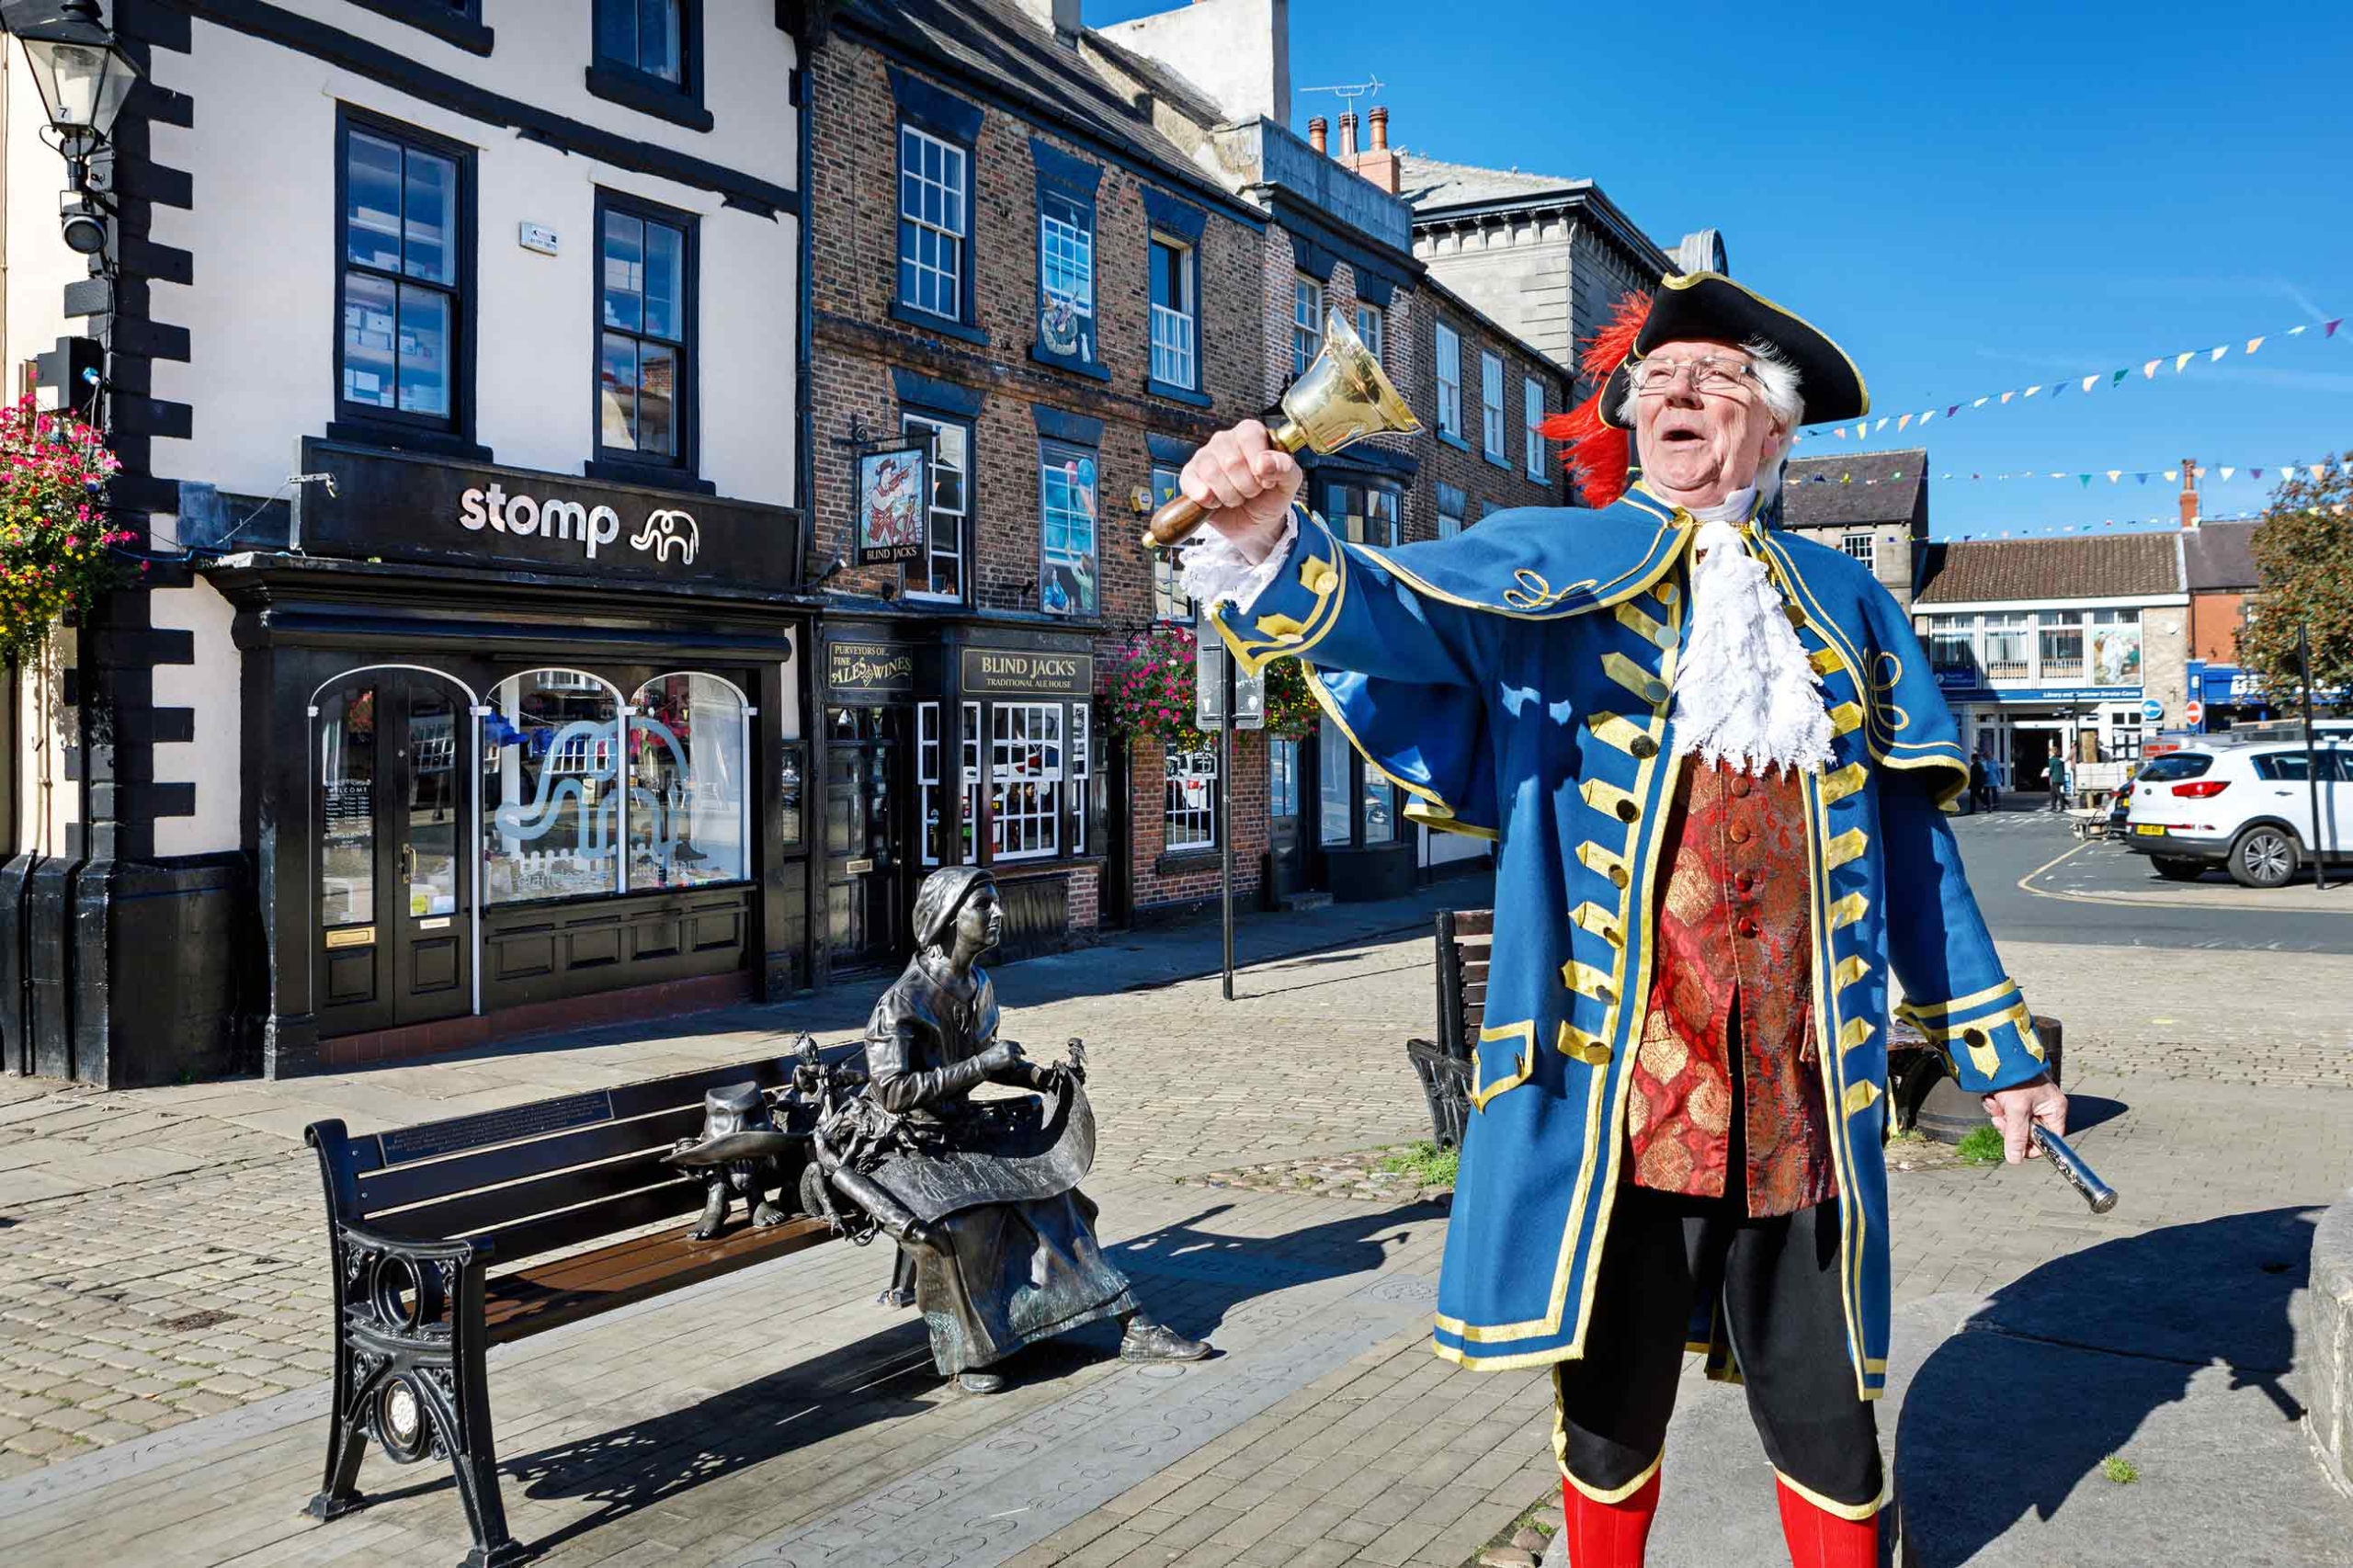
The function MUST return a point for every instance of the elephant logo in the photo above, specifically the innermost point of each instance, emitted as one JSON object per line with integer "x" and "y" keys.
{"x": 665, "y": 528}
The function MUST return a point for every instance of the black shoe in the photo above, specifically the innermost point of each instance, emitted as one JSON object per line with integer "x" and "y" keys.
{"x": 980, "y": 1382}
{"x": 1149, "y": 1341}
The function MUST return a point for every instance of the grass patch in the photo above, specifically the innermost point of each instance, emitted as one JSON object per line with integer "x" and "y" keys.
{"x": 2119, "y": 1469}
{"x": 1429, "y": 1164}
{"x": 1981, "y": 1146}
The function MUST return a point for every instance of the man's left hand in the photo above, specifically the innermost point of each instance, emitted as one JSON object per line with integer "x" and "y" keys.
{"x": 2014, "y": 1111}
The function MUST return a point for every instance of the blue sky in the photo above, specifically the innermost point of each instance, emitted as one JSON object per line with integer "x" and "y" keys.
{"x": 1971, "y": 202}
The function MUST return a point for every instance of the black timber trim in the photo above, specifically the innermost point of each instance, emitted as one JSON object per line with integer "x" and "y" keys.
{"x": 466, "y": 32}
{"x": 276, "y": 25}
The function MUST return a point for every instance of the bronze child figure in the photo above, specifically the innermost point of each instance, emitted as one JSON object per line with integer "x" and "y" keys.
{"x": 994, "y": 1275}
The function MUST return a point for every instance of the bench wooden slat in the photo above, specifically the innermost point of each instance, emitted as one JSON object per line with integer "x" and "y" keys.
{"x": 1474, "y": 999}
{"x": 565, "y": 1188}
{"x": 1474, "y": 921}
{"x": 1474, "y": 971}
{"x": 403, "y": 1186}
{"x": 533, "y": 1301}
{"x": 529, "y": 1238}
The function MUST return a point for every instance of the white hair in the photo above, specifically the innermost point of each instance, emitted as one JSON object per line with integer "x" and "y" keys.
{"x": 1777, "y": 384}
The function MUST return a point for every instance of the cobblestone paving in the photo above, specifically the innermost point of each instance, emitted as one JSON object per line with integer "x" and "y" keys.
{"x": 163, "y": 1256}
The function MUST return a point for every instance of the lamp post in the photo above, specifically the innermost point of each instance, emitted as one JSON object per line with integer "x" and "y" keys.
{"x": 83, "y": 75}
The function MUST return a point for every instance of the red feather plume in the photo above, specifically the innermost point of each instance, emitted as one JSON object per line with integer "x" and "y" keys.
{"x": 1597, "y": 454}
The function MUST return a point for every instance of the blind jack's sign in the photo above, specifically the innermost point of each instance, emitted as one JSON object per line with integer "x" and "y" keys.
{"x": 394, "y": 507}
{"x": 1009, "y": 671}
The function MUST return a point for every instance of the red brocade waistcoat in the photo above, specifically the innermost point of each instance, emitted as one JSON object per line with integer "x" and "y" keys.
{"x": 1732, "y": 973}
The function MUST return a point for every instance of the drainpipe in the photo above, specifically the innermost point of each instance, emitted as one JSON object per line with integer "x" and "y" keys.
{"x": 804, "y": 399}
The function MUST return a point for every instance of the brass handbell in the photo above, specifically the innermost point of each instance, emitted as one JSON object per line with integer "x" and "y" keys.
{"x": 1342, "y": 398}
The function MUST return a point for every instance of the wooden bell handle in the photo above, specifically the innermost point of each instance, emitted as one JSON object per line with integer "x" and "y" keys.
{"x": 1180, "y": 515}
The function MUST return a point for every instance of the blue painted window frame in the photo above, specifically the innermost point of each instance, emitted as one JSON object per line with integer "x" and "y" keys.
{"x": 948, "y": 118}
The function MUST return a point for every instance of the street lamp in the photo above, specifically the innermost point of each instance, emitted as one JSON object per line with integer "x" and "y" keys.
{"x": 83, "y": 76}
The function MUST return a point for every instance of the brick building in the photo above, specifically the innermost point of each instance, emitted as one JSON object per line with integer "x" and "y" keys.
{"x": 1872, "y": 506}
{"x": 1015, "y": 268}
{"x": 1340, "y": 240}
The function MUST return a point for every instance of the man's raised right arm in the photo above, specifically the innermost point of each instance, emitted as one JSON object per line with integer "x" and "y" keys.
{"x": 1277, "y": 581}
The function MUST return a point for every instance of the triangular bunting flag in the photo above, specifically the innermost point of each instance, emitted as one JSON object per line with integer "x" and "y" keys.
{"x": 1882, "y": 423}
{"x": 2181, "y": 359}
{"x": 2007, "y": 395}
{"x": 2253, "y": 344}
{"x": 2255, "y": 472}
{"x": 2295, "y": 332}
{"x": 2032, "y": 389}
{"x": 1900, "y": 422}
{"x": 2320, "y": 471}
{"x": 2217, "y": 352}
{"x": 2149, "y": 371}
{"x": 2114, "y": 475}
{"x": 1956, "y": 409}
{"x": 2141, "y": 478}
{"x": 2087, "y": 479}
{"x": 1980, "y": 402}
{"x": 2172, "y": 475}
{"x": 1840, "y": 432}
{"x": 2228, "y": 471}
{"x": 1863, "y": 429}
{"x": 2057, "y": 390}
{"x": 2328, "y": 328}
{"x": 2117, "y": 379}
{"x": 2091, "y": 381}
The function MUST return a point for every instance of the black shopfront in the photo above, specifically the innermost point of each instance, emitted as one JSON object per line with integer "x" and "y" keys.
{"x": 946, "y": 739}
{"x": 518, "y": 750}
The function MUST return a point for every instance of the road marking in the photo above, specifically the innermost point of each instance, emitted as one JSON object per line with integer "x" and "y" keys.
{"x": 2153, "y": 899}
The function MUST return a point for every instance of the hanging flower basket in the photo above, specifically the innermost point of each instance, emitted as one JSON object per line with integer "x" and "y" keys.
{"x": 1145, "y": 688}
{"x": 56, "y": 543}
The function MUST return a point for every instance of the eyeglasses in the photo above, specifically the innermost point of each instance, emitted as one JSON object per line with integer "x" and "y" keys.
{"x": 1710, "y": 377}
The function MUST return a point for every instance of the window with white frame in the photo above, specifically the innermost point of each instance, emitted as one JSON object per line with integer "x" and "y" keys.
{"x": 1066, "y": 258}
{"x": 931, "y": 801}
{"x": 1532, "y": 416}
{"x": 1491, "y": 403}
{"x": 932, "y": 224}
{"x": 1169, "y": 601}
{"x": 1025, "y": 781}
{"x": 1449, "y": 381}
{"x": 1953, "y": 642}
{"x": 1175, "y": 323}
{"x": 1189, "y": 816}
{"x": 941, "y": 573}
{"x": 1081, "y": 770}
{"x": 1306, "y": 322}
{"x": 1864, "y": 547}
{"x": 1066, "y": 574}
{"x": 2059, "y": 643}
{"x": 2008, "y": 646}
{"x": 1451, "y": 504}
{"x": 1371, "y": 332}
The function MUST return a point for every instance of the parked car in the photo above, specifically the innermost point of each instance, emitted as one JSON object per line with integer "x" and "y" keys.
{"x": 2246, "y": 808}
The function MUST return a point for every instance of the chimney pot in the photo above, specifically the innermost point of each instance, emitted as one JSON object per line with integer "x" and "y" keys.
{"x": 1348, "y": 133}
{"x": 1379, "y": 118}
{"x": 2190, "y": 493}
{"x": 1319, "y": 131}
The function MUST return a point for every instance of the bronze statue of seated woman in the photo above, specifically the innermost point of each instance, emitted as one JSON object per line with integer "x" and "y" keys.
{"x": 1004, "y": 1247}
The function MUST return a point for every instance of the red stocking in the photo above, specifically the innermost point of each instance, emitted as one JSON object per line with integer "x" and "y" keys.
{"x": 1609, "y": 1535}
{"x": 1820, "y": 1539}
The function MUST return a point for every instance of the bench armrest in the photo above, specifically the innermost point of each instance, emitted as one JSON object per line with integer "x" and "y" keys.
{"x": 463, "y": 1253}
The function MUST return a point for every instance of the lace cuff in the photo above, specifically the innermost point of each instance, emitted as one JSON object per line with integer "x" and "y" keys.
{"x": 1216, "y": 572}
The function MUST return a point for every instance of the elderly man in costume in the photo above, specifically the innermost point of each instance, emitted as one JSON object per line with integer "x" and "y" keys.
{"x": 1715, "y": 759}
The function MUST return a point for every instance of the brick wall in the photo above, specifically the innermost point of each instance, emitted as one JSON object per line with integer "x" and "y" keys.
{"x": 854, "y": 233}
{"x": 1195, "y": 878}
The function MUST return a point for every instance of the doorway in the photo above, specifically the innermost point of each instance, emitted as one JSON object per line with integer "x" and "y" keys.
{"x": 1285, "y": 820}
{"x": 865, "y": 829}
{"x": 392, "y": 765}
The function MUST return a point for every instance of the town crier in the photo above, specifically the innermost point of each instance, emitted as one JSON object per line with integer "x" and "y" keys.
{"x": 1715, "y": 761}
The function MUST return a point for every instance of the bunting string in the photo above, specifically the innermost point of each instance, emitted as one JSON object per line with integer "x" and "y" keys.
{"x": 1862, "y": 430}
{"x": 2204, "y": 473}
{"x": 2106, "y": 525}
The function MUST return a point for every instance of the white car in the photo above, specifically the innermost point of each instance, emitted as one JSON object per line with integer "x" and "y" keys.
{"x": 2246, "y": 808}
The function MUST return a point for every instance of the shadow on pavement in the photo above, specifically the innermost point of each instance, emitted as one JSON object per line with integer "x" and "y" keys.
{"x": 2088, "y": 1111}
{"x": 2007, "y": 1417}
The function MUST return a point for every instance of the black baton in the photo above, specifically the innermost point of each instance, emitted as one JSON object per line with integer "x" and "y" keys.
{"x": 2070, "y": 1165}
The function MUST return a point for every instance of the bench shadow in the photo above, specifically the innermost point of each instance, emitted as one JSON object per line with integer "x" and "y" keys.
{"x": 1187, "y": 1275}
{"x": 2103, "y": 1338}
{"x": 2088, "y": 1111}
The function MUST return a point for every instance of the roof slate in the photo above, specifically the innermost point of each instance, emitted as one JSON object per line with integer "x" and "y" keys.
{"x": 1857, "y": 487}
{"x": 2221, "y": 557}
{"x": 1433, "y": 182}
{"x": 2113, "y": 566}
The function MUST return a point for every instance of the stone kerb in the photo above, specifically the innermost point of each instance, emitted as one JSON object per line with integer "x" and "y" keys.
{"x": 2330, "y": 1420}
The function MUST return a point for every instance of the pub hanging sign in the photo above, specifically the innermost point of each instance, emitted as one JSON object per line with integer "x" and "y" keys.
{"x": 891, "y": 510}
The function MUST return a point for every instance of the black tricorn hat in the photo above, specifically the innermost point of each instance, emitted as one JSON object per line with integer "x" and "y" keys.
{"x": 1709, "y": 305}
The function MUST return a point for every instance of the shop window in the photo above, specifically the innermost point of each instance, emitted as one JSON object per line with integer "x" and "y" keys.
{"x": 1282, "y": 778}
{"x": 927, "y": 780}
{"x": 1373, "y": 332}
{"x": 1169, "y": 601}
{"x": 1189, "y": 812}
{"x": 688, "y": 743}
{"x": 1025, "y": 781}
{"x": 942, "y": 575}
{"x": 1335, "y": 825}
{"x": 1531, "y": 400}
{"x": 933, "y": 182}
{"x": 407, "y": 264}
{"x": 1449, "y": 381}
{"x": 645, "y": 370}
{"x": 1491, "y": 405}
{"x": 793, "y": 796}
{"x": 1175, "y": 323}
{"x": 1306, "y": 322}
{"x": 1380, "y": 809}
{"x": 1081, "y": 772}
{"x": 551, "y": 788}
{"x": 1066, "y": 574}
{"x": 347, "y": 807}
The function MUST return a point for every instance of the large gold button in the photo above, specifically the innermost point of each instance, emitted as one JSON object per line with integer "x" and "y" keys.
{"x": 1643, "y": 747}
{"x": 1618, "y": 875}
{"x": 1741, "y": 786}
{"x": 1737, "y": 833}
{"x": 1797, "y": 616}
{"x": 1654, "y": 692}
{"x": 1627, "y": 811}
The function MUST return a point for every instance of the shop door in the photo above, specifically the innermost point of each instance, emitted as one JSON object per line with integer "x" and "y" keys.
{"x": 392, "y": 759}
{"x": 1286, "y": 823}
{"x": 865, "y": 838}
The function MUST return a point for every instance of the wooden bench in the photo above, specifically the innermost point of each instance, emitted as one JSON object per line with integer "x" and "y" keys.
{"x": 1465, "y": 945}
{"x": 418, "y": 1217}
